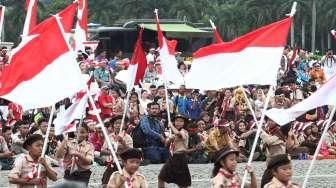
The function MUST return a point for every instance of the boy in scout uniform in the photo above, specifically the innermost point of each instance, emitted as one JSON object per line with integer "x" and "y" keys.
{"x": 25, "y": 171}
{"x": 130, "y": 176}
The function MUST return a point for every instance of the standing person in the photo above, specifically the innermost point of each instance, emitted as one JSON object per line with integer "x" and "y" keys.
{"x": 329, "y": 64}
{"x": 122, "y": 142}
{"x": 106, "y": 103}
{"x": 102, "y": 74}
{"x": 181, "y": 101}
{"x": 25, "y": 171}
{"x": 131, "y": 160}
{"x": 154, "y": 149}
{"x": 224, "y": 173}
{"x": 176, "y": 170}
{"x": 77, "y": 156}
{"x": 278, "y": 173}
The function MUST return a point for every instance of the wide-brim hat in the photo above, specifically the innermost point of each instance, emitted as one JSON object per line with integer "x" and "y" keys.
{"x": 224, "y": 152}
{"x": 31, "y": 139}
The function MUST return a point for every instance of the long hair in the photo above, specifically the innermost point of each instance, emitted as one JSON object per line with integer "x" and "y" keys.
{"x": 266, "y": 178}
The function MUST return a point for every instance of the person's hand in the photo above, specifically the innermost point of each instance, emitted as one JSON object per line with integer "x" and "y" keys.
{"x": 291, "y": 133}
{"x": 249, "y": 169}
{"x": 8, "y": 154}
{"x": 42, "y": 161}
{"x": 76, "y": 154}
{"x": 37, "y": 181}
{"x": 162, "y": 139}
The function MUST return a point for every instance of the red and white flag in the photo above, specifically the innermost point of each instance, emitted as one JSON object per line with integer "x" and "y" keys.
{"x": 216, "y": 35}
{"x": 325, "y": 95}
{"x": 167, "y": 57}
{"x": 65, "y": 121}
{"x": 43, "y": 69}
{"x": 253, "y": 58}
{"x": 81, "y": 25}
{"x": 2, "y": 18}
{"x": 136, "y": 70}
{"x": 31, "y": 16}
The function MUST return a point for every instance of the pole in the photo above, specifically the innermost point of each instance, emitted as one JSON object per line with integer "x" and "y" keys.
{"x": 109, "y": 143}
{"x": 125, "y": 111}
{"x": 259, "y": 125}
{"x": 45, "y": 143}
{"x": 249, "y": 105}
{"x": 325, "y": 130}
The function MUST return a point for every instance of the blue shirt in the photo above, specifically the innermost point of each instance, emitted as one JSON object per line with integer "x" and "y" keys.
{"x": 152, "y": 130}
{"x": 194, "y": 111}
{"x": 180, "y": 103}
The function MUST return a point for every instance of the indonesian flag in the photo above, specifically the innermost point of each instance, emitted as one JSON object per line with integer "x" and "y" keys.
{"x": 333, "y": 33}
{"x": 216, "y": 35}
{"x": 31, "y": 16}
{"x": 43, "y": 69}
{"x": 65, "y": 121}
{"x": 325, "y": 95}
{"x": 75, "y": 111}
{"x": 253, "y": 58}
{"x": 81, "y": 25}
{"x": 136, "y": 70}
{"x": 167, "y": 57}
{"x": 2, "y": 18}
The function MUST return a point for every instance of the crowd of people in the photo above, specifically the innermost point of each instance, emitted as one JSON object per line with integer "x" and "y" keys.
{"x": 205, "y": 127}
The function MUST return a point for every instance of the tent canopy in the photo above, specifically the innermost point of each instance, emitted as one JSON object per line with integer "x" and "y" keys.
{"x": 179, "y": 30}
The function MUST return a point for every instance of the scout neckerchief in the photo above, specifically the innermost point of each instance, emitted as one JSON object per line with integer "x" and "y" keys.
{"x": 232, "y": 177}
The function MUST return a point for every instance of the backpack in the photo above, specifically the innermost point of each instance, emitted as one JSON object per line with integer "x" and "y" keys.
{"x": 138, "y": 137}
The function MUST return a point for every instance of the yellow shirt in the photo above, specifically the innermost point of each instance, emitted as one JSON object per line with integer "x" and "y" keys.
{"x": 217, "y": 141}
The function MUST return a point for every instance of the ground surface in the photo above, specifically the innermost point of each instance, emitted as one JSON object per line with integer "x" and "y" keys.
{"x": 322, "y": 176}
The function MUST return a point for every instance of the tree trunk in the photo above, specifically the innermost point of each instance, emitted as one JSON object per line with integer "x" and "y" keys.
{"x": 322, "y": 44}
{"x": 303, "y": 34}
{"x": 313, "y": 26}
{"x": 292, "y": 33}
{"x": 328, "y": 40}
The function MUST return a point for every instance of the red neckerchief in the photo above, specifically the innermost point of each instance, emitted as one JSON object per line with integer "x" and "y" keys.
{"x": 32, "y": 174}
{"x": 129, "y": 181}
{"x": 230, "y": 176}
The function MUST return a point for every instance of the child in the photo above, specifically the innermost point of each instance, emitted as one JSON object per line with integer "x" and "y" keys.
{"x": 77, "y": 156}
{"x": 278, "y": 173}
{"x": 24, "y": 173}
{"x": 224, "y": 174}
{"x": 131, "y": 160}
{"x": 121, "y": 141}
{"x": 176, "y": 168}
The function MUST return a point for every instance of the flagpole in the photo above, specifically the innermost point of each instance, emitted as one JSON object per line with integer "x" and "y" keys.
{"x": 2, "y": 23}
{"x": 249, "y": 105}
{"x": 125, "y": 111}
{"x": 165, "y": 80}
{"x": 259, "y": 124}
{"x": 109, "y": 143}
{"x": 325, "y": 130}
{"x": 28, "y": 18}
{"x": 45, "y": 143}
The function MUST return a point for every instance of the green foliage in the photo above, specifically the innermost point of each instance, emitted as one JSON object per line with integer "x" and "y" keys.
{"x": 232, "y": 17}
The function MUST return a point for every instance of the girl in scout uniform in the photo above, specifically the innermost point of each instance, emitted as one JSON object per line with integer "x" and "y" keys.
{"x": 77, "y": 156}
{"x": 176, "y": 170}
{"x": 278, "y": 173}
{"x": 224, "y": 172}
{"x": 131, "y": 159}
{"x": 25, "y": 171}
